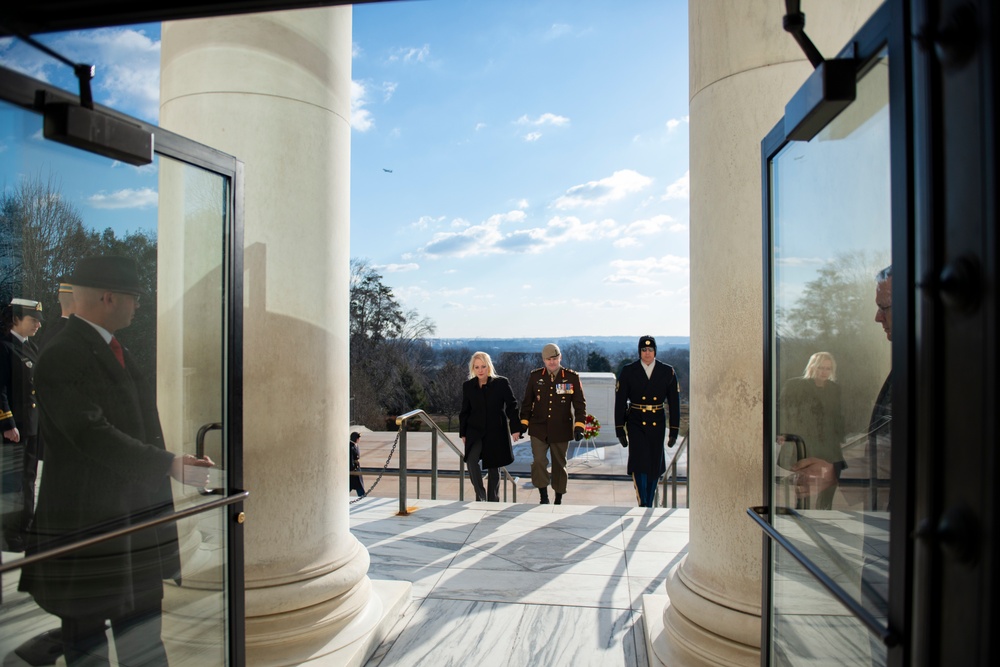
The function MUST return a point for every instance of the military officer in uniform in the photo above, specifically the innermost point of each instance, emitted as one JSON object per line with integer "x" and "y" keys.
{"x": 21, "y": 320}
{"x": 646, "y": 397}
{"x": 553, "y": 413}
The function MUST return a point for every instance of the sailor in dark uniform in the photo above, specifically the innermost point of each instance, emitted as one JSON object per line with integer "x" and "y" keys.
{"x": 21, "y": 320}
{"x": 553, "y": 413}
{"x": 646, "y": 403}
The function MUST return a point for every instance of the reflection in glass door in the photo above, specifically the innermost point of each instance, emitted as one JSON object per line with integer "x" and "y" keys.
{"x": 831, "y": 331}
{"x": 174, "y": 220}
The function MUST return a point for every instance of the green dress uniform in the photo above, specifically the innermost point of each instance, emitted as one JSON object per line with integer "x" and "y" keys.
{"x": 552, "y": 410}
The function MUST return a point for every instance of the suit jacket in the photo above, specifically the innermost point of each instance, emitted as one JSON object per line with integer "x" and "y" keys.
{"x": 18, "y": 402}
{"x": 553, "y": 407}
{"x": 646, "y": 407}
{"x": 105, "y": 467}
{"x": 49, "y": 331}
{"x": 489, "y": 414}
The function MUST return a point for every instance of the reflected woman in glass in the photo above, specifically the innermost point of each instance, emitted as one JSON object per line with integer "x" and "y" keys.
{"x": 487, "y": 422}
{"x": 810, "y": 408}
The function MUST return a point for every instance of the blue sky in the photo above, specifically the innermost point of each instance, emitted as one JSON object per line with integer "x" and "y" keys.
{"x": 538, "y": 155}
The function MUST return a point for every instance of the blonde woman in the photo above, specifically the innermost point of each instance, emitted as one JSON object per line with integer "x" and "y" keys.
{"x": 487, "y": 422}
{"x": 809, "y": 407}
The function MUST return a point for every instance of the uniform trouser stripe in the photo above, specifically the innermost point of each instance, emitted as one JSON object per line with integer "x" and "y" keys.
{"x": 645, "y": 488}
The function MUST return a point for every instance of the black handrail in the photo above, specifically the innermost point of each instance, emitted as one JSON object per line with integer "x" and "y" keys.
{"x": 435, "y": 430}
{"x": 884, "y": 633}
{"x": 231, "y": 499}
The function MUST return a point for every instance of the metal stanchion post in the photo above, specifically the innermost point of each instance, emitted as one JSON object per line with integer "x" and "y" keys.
{"x": 402, "y": 469}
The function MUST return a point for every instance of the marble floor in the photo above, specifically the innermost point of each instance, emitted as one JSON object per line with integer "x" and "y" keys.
{"x": 519, "y": 584}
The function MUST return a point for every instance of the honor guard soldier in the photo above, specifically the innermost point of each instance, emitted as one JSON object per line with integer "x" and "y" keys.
{"x": 21, "y": 320}
{"x": 646, "y": 403}
{"x": 553, "y": 413}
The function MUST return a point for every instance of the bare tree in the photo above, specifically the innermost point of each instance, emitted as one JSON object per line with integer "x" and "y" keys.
{"x": 388, "y": 363}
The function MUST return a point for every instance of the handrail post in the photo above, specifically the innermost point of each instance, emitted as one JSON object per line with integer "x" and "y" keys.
{"x": 434, "y": 464}
{"x": 461, "y": 479}
{"x": 402, "y": 468}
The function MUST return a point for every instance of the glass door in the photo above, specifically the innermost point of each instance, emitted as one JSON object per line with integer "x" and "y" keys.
{"x": 828, "y": 387}
{"x": 129, "y": 524}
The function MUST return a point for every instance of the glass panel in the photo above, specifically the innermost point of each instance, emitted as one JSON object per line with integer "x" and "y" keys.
{"x": 830, "y": 202}
{"x": 809, "y": 627}
{"x": 191, "y": 629}
{"x": 145, "y": 252}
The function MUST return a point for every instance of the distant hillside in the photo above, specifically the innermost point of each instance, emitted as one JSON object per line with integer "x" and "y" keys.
{"x": 610, "y": 344}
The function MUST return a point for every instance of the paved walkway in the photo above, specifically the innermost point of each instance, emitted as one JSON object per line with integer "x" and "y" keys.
{"x": 519, "y": 584}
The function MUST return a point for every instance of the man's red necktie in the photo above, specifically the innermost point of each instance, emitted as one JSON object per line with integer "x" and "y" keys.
{"x": 116, "y": 347}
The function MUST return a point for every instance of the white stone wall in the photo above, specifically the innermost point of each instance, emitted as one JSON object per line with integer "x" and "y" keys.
{"x": 599, "y": 390}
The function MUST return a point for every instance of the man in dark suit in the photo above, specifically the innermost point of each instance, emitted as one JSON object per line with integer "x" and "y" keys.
{"x": 647, "y": 403}
{"x": 66, "y": 307}
{"x": 106, "y": 467}
{"x": 19, "y": 321}
{"x": 357, "y": 483}
{"x": 554, "y": 412}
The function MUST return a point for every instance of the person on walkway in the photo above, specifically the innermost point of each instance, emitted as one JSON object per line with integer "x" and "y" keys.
{"x": 106, "y": 467}
{"x": 553, "y": 412}
{"x": 647, "y": 403}
{"x": 357, "y": 483}
{"x": 487, "y": 423}
{"x": 19, "y": 321}
{"x": 809, "y": 407}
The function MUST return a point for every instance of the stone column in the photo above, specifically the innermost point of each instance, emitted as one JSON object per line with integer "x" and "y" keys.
{"x": 274, "y": 91}
{"x": 743, "y": 70}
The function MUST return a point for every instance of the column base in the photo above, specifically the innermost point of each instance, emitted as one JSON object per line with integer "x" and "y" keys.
{"x": 352, "y": 644}
{"x": 685, "y": 644}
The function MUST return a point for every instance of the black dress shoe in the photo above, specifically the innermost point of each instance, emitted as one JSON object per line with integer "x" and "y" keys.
{"x": 41, "y": 649}
{"x": 543, "y": 496}
{"x": 559, "y": 499}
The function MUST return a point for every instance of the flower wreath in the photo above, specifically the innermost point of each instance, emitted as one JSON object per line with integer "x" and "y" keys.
{"x": 591, "y": 427}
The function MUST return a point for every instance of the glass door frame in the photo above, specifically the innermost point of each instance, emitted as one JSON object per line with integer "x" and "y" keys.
{"x": 887, "y": 29}
{"x": 23, "y": 91}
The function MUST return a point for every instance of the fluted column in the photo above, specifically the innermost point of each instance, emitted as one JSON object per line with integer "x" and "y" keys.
{"x": 274, "y": 91}
{"x": 743, "y": 70}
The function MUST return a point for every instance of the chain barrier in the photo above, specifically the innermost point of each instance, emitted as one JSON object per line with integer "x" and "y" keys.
{"x": 384, "y": 468}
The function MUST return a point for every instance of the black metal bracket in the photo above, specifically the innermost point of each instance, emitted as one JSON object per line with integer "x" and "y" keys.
{"x": 829, "y": 89}
{"x": 794, "y": 22}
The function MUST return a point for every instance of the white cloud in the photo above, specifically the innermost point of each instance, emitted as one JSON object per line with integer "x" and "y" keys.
{"x": 523, "y": 204}
{"x": 674, "y": 123}
{"x": 677, "y": 228}
{"x": 532, "y": 136}
{"x": 544, "y": 119}
{"x": 355, "y": 50}
{"x": 480, "y": 126}
{"x": 426, "y": 221}
{"x": 120, "y": 199}
{"x": 679, "y": 189}
{"x": 398, "y": 268}
{"x": 647, "y": 271}
{"x": 361, "y": 118}
{"x": 648, "y": 225}
{"x": 411, "y": 54}
{"x": 603, "y": 191}
{"x": 388, "y": 88}
{"x": 558, "y": 30}
{"x": 490, "y": 238}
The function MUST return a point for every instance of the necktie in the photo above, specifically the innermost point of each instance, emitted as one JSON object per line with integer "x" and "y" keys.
{"x": 116, "y": 347}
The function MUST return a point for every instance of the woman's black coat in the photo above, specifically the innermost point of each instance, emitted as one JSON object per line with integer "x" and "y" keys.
{"x": 490, "y": 414}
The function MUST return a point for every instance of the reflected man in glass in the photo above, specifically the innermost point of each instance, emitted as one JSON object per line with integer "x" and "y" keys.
{"x": 106, "y": 467}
